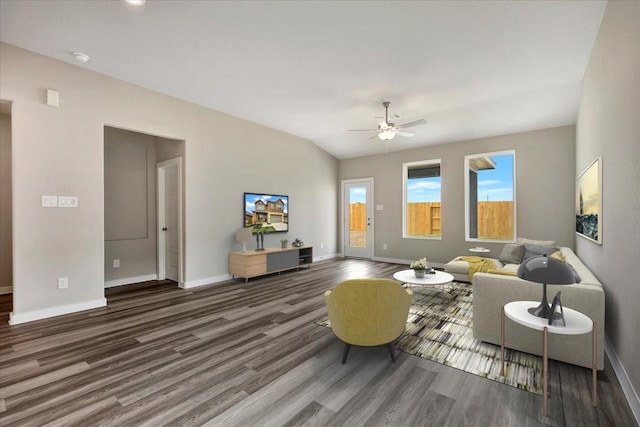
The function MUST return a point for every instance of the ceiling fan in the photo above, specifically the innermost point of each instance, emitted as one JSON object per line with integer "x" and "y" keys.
{"x": 387, "y": 130}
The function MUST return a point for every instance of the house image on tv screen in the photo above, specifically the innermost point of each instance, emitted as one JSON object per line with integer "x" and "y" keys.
{"x": 269, "y": 212}
{"x": 266, "y": 212}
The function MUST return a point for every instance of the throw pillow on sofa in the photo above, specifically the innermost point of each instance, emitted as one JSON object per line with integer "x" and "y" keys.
{"x": 537, "y": 250}
{"x": 511, "y": 254}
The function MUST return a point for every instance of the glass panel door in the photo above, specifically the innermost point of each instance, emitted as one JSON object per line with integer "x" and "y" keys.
{"x": 358, "y": 220}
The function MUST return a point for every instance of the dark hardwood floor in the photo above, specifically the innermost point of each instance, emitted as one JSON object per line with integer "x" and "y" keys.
{"x": 245, "y": 354}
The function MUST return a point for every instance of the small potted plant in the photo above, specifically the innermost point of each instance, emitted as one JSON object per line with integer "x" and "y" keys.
{"x": 419, "y": 267}
{"x": 284, "y": 242}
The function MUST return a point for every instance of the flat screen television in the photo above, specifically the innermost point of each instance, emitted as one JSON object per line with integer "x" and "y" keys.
{"x": 268, "y": 213}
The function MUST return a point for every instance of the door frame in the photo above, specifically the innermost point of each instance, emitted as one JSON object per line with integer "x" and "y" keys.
{"x": 343, "y": 213}
{"x": 161, "y": 170}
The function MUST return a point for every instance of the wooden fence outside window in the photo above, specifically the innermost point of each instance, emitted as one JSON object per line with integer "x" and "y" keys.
{"x": 495, "y": 219}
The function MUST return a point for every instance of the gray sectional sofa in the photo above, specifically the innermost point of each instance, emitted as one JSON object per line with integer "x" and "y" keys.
{"x": 492, "y": 291}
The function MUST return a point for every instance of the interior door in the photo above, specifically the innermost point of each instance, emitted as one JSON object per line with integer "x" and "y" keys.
{"x": 171, "y": 223}
{"x": 357, "y": 206}
{"x": 169, "y": 219}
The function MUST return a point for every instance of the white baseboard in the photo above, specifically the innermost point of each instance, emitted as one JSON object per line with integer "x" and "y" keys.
{"x": 391, "y": 260}
{"x": 325, "y": 257}
{"x": 6, "y": 290}
{"x": 130, "y": 280}
{"x": 30, "y": 316}
{"x": 630, "y": 393}
{"x": 206, "y": 281}
{"x": 407, "y": 262}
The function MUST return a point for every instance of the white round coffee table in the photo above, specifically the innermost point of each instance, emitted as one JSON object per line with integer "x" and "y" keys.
{"x": 440, "y": 278}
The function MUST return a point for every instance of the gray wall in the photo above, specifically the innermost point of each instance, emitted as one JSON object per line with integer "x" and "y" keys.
{"x": 545, "y": 175}
{"x": 224, "y": 157}
{"x": 6, "y": 268}
{"x": 129, "y": 204}
{"x": 609, "y": 126}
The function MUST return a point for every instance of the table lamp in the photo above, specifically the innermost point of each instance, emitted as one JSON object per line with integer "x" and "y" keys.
{"x": 548, "y": 271}
{"x": 243, "y": 235}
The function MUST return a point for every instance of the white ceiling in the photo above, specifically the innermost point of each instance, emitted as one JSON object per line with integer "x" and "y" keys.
{"x": 317, "y": 68}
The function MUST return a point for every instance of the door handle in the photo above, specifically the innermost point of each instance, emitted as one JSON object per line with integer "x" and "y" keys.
{"x": 164, "y": 228}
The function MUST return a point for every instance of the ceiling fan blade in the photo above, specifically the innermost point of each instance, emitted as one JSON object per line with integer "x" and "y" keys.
{"x": 374, "y": 136}
{"x": 412, "y": 124}
{"x": 404, "y": 133}
{"x": 361, "y": 130}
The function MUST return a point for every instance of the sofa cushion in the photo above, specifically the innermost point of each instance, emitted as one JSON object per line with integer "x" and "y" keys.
{"x": 458, "y": 267}
{"x": 511, "y": 254}
{"x": 523, "y": 240}
{"x": 511, "y": 267}
{"x": 531, "y": 250}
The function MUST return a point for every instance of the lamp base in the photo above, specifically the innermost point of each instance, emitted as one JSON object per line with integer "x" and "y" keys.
{"x": 544, "y": 311}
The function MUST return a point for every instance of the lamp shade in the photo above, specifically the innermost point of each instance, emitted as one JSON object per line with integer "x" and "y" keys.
{"x": 542, "y": 269}
{"x": 243, "y": 234}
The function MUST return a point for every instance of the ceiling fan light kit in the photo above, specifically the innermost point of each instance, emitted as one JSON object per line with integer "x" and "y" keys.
{"x": 386, "y": 130}
{"x": 386, "y": 134}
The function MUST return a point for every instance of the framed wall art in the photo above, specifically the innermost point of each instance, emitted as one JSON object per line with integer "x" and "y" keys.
{"x": 589, "y": 202}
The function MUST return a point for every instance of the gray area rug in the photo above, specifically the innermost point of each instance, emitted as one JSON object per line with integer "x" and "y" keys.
{"x": 440, "y": 329}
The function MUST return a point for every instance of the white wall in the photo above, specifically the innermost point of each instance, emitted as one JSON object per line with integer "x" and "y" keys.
{"x": 59, "y": 151}
{"x": 609, "y": 126}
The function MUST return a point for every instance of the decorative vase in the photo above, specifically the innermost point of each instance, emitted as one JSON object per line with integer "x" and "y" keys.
{"x": 419, "y": 273}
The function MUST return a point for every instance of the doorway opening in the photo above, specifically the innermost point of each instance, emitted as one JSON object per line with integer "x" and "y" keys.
{"x": 131, "y": 206}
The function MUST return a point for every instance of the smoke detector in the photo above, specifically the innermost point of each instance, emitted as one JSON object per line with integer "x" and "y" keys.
{"x": 80, "y": 57}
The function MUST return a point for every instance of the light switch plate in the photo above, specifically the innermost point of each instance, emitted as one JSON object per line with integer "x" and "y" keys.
{"x": 68, "y": 201}
{"x": 49, "y": 201}
{"x": 379, "y": 207}
{"x": 53, "y": 98}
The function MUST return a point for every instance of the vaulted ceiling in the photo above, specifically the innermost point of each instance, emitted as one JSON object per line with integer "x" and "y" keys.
{"x": 317, "y": 68}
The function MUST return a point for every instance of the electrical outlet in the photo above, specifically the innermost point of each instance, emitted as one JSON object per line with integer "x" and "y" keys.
{"x": 384, "y": 246}
{"x": 321, "y": 245}
{"x": 116, "y": 263}
{"x": 63, "y": 282}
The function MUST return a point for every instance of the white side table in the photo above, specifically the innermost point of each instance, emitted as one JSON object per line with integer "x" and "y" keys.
{"x": 576, "y": 324}
{"x": 479, "y": 251}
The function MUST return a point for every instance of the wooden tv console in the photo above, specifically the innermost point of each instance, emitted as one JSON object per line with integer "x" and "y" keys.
{"x": 272, "y": 260}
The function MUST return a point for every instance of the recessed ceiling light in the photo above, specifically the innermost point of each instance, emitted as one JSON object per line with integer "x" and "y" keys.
{"x": 136, "y": 2}
{"x": 80, "y": 57}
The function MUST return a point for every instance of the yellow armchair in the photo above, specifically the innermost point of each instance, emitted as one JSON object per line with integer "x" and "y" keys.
{"x": 368, "y": 312}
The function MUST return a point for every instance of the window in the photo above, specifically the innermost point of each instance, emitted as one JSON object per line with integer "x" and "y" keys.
{"x": 421, "y": 216}
{"x": 490, "y": 183}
